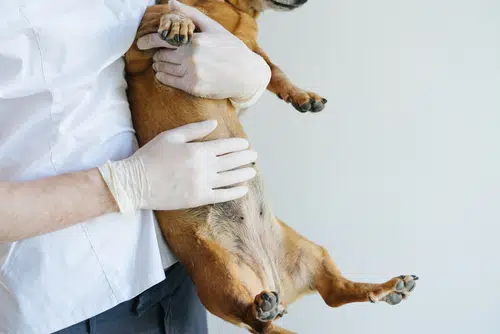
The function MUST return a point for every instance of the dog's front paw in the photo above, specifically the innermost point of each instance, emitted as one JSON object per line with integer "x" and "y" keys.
{"x": 176, "y": 29}
{"x": 268, "y": 307}
{"x": 301, "y": 100}
{"x": 395, "y": 290}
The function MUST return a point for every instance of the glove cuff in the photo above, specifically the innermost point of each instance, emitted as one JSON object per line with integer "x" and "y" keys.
{"x": 122, "y": 178}
{"x": 244, "y": 103}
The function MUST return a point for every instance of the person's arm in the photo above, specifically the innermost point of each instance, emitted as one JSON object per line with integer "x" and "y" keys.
{"x": 36, "y": 207}
{"x": 169, "y": 173}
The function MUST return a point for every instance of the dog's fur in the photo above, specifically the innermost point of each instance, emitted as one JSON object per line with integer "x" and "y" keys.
{"x": 247, "y": 264}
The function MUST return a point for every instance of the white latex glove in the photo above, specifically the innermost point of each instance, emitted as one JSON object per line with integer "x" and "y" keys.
{"x": 216, "y": 64}
{"x": 169, "y": 173}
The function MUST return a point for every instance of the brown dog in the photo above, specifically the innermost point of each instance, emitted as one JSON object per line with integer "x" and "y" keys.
{"x": 247, "y": 265}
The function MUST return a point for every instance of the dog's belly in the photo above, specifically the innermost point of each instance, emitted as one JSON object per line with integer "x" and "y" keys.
{"x": 255, "y": 251}
{"x": 248, "y": 231}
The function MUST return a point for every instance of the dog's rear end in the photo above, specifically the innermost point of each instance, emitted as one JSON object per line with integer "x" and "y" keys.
{"x": 247, "y": 265}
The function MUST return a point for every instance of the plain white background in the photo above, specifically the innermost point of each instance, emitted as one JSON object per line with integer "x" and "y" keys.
{"x": 400, "y": 173}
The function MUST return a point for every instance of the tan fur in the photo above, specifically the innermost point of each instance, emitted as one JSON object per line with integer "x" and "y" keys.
{"x": 237, "y": 250}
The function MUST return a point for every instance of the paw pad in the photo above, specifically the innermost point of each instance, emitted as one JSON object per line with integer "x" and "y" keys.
{"x": 402, "y": 288}
{"x": 267, "y": 306}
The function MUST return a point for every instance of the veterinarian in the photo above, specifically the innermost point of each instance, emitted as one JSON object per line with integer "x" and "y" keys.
{"x": 68, "y": 155}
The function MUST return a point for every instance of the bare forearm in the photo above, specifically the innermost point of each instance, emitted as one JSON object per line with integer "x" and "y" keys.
{"x": 36, "y": 207}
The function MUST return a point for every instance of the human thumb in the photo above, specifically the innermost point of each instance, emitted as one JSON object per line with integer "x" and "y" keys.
{"x": 192, "y": 131}
{"x": 202, "y": 21}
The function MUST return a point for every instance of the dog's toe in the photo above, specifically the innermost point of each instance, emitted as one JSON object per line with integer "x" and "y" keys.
{"x": 317, "y": 106}
{"x": 302, "y": 107}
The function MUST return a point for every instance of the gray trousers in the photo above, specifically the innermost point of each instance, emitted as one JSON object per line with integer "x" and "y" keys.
{"x": 170, "y": 307}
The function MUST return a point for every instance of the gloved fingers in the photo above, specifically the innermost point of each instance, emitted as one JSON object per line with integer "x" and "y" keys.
{"x": 235, "y": 160}
{"x": 190, "y": 132}
{"x": 151, "y": 41}
{"x": 176, "y": 82}
{"x": 173, "y": 56}
{"x": 203, "y": 22}
{"x": 229, "y": 194}
{"x": 233, "y": 177}
{"x": 169, "y": 68}
{"x": 225, "y": 146}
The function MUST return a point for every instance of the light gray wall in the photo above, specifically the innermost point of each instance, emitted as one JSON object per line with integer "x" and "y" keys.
{"x": 400, "y": 173}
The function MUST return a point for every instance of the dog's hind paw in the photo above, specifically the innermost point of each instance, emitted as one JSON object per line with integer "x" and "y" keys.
{"x": 267, "y": 306}
{"x": 176, "y": 29}
{"x": 396, "y": 290}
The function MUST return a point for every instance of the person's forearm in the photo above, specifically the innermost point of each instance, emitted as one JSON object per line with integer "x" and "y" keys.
{"x": 36, "y": 207}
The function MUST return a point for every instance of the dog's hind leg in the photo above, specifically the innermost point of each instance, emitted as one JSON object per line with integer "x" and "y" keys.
{"x": 216, "y": 274}
{"x": 310, "y": 267}
{"x": 337, "y": 290}
{"x": 277, "y": 330}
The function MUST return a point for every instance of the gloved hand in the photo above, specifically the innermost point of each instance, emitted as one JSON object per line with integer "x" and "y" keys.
{"x": 216, "y": 64}
{"x": 169, "y": 173}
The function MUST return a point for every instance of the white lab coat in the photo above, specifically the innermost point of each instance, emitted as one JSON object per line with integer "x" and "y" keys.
{"x": 63, "y": 108}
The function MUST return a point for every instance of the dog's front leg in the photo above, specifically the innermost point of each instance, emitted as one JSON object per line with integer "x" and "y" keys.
{"x": 173, "y": 26}
{"x": 281, "y": 85}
